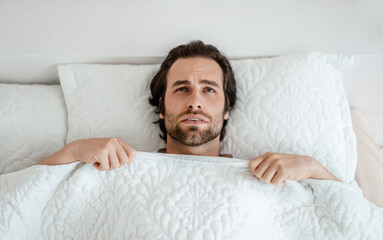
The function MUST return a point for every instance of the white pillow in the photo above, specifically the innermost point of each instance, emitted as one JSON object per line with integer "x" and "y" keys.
{"x": 288, "y": 104}
{"x": 33, "y": 124}
{"x": 294, "y": 104}
{"x": 110, "y": 101}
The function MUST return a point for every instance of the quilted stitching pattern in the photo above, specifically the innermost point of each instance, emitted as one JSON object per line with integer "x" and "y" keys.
{"x": 293, "y": 105}
{"x": 110, "y": 101}
{"x": 33, "y": 124}
{"x": 160, "y": 196}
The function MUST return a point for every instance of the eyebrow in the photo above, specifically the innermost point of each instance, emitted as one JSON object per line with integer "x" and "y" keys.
{"x": 187, "y": 82}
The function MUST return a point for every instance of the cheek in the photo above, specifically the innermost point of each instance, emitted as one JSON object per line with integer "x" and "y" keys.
{"x": 217, "y": 104}
{"x": 171, "y": 104}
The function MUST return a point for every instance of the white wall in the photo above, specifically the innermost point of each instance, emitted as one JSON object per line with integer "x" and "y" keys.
{"x": 149, "y": 28}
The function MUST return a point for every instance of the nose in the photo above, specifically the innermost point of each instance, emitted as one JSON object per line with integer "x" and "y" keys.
{"x": 195, "y": 102}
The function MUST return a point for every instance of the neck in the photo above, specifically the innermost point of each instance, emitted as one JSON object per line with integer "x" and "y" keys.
{"x": 208, "y": 149}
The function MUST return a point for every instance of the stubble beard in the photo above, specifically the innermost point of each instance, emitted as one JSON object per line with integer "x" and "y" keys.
{"x": 193, "y": 135}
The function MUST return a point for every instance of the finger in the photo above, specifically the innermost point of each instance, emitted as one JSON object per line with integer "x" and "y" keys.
{"x": 254, "y": 163}
{"x": 269, "y": 174}
{"x": 101, "y": 164}
{"x": 261, "y": 169}
{"x": 279, "y": 179}
{"x": 122, "y": 156}
{"x": 97, "y": 165}
{"x": 113, "y": 160}
{"x": 130, "y": 151}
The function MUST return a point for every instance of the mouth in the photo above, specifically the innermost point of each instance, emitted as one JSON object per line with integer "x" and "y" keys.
{"x": 194, "y": 119}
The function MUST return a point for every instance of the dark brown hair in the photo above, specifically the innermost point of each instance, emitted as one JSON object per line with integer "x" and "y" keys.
{"x": 192, "y": 49}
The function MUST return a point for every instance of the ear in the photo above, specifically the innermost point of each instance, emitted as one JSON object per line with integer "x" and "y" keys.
{"x": 226, "y": 115}
{"x": 161, "y": 115}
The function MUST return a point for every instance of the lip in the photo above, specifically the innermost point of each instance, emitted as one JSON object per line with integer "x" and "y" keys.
{"x": 185, "y": 119}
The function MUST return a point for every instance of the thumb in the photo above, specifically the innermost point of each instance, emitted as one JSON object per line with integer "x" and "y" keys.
{"x": 100, "y": 166}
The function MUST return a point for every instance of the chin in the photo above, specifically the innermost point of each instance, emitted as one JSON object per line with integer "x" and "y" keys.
{"x": 193, "y": 128}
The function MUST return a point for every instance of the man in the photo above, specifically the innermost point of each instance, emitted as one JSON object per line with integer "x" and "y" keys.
{"x": 194, "y": 91}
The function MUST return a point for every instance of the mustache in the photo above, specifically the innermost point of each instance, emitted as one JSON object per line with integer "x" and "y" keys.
{"x": 196, "y": 112}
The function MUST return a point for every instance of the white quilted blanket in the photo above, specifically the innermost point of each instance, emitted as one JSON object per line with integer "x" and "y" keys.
{"x": 163, "y": 196}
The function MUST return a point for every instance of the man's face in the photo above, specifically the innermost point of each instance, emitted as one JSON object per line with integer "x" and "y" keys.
{"x": 194, "y": 101}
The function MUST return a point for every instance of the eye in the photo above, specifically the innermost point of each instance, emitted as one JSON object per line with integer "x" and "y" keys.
{"x": 210, "y": 90}
{"x": 181, "y": 89}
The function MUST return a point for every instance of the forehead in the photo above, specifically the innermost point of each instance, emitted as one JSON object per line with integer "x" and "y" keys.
{"x": 206, "y": 68}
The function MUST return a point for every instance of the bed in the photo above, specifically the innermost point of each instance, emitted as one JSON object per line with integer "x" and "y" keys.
{"x": 309, "y": 96}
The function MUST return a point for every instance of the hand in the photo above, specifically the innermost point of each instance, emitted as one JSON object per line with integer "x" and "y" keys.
{"x": 275, "y": 168}
{"x": 104, "y": 153}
